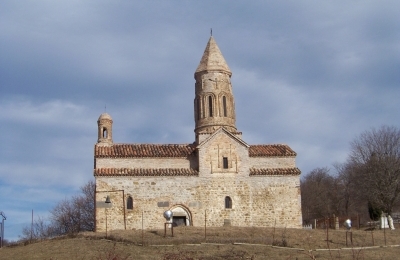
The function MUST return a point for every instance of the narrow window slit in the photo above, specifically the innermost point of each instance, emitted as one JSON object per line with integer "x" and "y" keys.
{"x": 225, "y": 162}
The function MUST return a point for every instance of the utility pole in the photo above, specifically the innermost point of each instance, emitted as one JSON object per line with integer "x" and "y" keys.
{"x": 2, "y": 228}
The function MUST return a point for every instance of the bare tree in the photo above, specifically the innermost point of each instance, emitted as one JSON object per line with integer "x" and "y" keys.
{"x": 85, "y": 204}
{"x": 40, "y": 229}
{"x": 67, "y": 217}
{"x": 76, "y": 214}
{"x": 375, "y": 155}
{"x": 351, "y": 200}
{"x": 318, "y": 194}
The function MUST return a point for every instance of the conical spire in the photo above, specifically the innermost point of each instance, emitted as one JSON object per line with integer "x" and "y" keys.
{"x": 212, "y": 59}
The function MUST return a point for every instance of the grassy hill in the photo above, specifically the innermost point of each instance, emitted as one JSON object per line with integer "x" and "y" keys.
{"x": 215, "y": 243}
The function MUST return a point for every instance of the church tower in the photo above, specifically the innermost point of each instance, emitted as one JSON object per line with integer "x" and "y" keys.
{"x": 104, "y": 126}
{"x": 214, "y": 105}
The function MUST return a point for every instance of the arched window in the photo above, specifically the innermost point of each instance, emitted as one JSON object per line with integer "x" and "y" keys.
{"x": 129, "y": 203}
{"x": 210, "y": 106}
{"x": 198, "y": 109}
{"x": 224, "y": 106}
{"x": 228, "y": 202}
{"x": 104, "y": 132}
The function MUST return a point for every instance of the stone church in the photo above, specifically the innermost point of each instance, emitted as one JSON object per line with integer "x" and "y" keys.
{"x": 218, "y": 179}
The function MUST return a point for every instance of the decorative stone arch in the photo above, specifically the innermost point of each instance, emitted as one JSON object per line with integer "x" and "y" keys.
{"x": 209, "y": 105}
{"x": 181, "y": 212}
{"x": 224, "y": 107}
{"x": 225, "y": 104}
{"x": 198, "y": 107}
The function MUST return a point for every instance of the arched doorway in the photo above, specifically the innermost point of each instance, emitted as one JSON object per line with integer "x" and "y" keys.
{"x": 181, "y": 216}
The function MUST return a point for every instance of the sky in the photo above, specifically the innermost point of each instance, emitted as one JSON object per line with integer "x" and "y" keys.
{"x": 310, "y": 74}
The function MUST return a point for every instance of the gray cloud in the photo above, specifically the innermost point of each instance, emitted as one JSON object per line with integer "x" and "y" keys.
{"x": 311, "y": 74}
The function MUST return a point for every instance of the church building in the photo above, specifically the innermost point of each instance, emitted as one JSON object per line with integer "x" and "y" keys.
{"x": 218, "y": 179}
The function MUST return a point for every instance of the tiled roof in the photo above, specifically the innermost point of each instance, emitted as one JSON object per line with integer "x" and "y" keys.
{"x": 140, "y": 172}
{"x": 232, "y": 132}
{"x": 110, "y": 172}
{"x": 144, "y": 150}
{"x": 180, "y": 150}
{"x": 271, "y": 150}
{"x": 274, "y": 171}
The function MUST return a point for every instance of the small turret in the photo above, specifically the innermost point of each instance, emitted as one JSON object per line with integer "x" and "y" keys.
{"x": 104, "y": 124}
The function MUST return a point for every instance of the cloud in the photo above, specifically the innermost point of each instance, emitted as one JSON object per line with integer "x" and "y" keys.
{"x": 43, "y": 141}
{"x": 311, "y": 74}
{"x": 51, "y": 113}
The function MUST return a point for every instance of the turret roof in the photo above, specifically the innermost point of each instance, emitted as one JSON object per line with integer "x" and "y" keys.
{"x": 104, "y": 116}
{"x": 212, "y": 58}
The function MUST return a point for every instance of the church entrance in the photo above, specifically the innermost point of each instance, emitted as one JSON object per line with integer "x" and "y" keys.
{"x": 178, "y": 221}
{"x": 181, "y": 216}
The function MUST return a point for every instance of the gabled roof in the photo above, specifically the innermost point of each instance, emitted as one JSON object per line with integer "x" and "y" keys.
{"x": 144, "y": 150}
{"x": 139, "y": 172}
{"x": 271, "y": 150}
{"x": 212, "y": 59}
{"x": 222, "y": 129}
{"x": 274, "y": 171}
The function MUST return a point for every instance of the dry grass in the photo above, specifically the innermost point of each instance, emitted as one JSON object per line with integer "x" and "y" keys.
{"x": 220, "y": 243}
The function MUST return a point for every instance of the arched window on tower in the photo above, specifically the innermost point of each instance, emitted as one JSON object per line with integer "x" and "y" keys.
{"x": 198, "y": 109}
{"x": 228, "y": 202}
{"x": 129, "y": 203}
{"x": 210, "y": 106}
{"x": 105, "y": 133}
{"x": 224, "y": 106}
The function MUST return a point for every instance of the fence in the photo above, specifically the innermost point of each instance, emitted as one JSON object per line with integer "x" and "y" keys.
{"x": 336, "y": 222}
{"x": 309, "y": 226}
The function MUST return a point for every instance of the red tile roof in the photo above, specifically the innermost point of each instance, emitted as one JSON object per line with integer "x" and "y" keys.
{"x": 234, "y": 133}
{"x": 271, "y": 150}
{"x": 169, "y": 172}
{"x": 138, "y": 172}
{"x": 180, "y": 150}
{"x": 144, "y": 150}
{"x": 274, "y": 171}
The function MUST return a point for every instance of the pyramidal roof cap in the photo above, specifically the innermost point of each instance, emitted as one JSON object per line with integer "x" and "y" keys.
{"x": 212, "y": 59}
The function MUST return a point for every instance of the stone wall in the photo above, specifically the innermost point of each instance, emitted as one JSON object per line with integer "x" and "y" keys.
{"x": 256, "y": 201}
{"x": 145, "y": 162}
{"x": 272, "y": 162}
